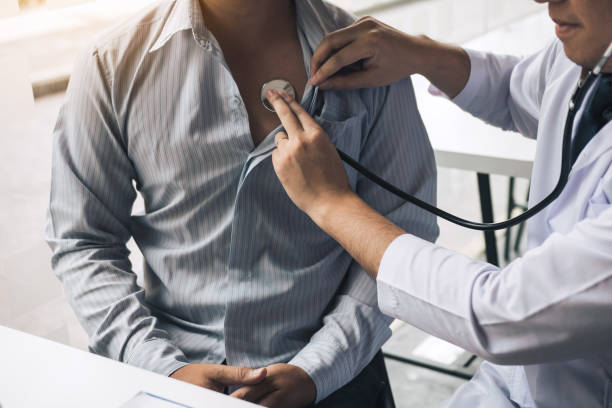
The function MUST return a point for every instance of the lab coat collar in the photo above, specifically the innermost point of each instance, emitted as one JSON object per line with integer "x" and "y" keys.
{"x": 184, "y": 15}
{"x": 314, "y": 19}
{"x": 602, "y": 141}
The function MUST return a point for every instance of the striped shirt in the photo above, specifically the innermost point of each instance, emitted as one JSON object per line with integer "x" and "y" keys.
{"x": 233, "y": 270}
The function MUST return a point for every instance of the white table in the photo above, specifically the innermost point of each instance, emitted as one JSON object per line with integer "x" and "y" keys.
{"x": 35, "y": 372}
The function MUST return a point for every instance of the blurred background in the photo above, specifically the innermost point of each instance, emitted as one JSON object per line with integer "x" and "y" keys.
{"x": 38, "y": 41}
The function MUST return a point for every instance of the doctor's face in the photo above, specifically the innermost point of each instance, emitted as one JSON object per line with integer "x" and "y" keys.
{"x": 584, "y": 27}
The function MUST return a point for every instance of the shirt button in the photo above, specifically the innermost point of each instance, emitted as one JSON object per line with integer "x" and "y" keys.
{"x": 237, "y": 101}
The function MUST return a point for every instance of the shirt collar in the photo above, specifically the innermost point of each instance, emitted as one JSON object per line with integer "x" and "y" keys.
{"x": 315, "y": 20}
{"x": 313, "y": 16}
{"x": 184, "y": 15}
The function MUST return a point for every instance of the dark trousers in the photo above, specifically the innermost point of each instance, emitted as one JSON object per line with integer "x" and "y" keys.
{"x": 370, "y": 389}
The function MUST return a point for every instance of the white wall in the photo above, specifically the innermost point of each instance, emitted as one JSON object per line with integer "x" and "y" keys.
{"x": 447, "y": 20}
{"x": 8, "y": 8}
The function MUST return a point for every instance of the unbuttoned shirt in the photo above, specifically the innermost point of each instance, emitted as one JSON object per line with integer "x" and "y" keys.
{"x": 545, "y": 317}
{"x": 233, "y": 270}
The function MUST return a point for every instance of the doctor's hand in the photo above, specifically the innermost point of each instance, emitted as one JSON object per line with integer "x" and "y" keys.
{"x": 216, "y": 376}
{"x": 309, "y": 167}
{"x": 285, "y": 385}
{"x": 383, "y": 54}
{"x": 369, "y": 54}
{"x": 306, "y": 162}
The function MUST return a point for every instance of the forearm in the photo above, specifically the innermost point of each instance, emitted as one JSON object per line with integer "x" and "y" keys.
{"x": 363, "y": 232}
{"x": 473, "y": 304}
{"x": 446, "y": 66}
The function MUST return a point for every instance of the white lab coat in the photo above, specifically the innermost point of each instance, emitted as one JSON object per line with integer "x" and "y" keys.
{"x": 544, "y": 322}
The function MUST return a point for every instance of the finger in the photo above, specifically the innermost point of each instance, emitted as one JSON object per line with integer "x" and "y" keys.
{"x": 352, "y": 53}
{"x": 285, "y": 113}
{"x": 355, "y": 80}
{"x": 279, "y": 138}
{"x": 333, "y": 42}
{"x": 230, "y": 375}
{"x": 306, "y": 121}
{"x": 253, "y": 393}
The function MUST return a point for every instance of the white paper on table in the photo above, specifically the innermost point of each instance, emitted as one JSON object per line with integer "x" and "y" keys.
{"x": 8, "y": 8}
{"x": 438, "y": 350}
{"x": 147, "y": 400}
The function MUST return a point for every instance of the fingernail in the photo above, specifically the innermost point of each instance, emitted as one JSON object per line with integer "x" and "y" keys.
{"x": 256, "y": 373}
{"x": 314, "y": 79}
{"x": 270, "y": 93}
{"x": 285, "y": 96}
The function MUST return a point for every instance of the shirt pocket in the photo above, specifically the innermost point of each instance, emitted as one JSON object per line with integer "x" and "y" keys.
{"x": 346, "y": 135}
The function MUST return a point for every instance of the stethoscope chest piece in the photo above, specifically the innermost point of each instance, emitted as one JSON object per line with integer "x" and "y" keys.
{"x": 276, "y": 85}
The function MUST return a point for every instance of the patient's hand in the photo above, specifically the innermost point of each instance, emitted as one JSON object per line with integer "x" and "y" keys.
{"x": 216, "y": 377}
{"x": 285, "y": 385}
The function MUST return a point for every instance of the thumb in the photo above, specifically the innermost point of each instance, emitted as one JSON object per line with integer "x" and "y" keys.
{"x": 230, "y": 375}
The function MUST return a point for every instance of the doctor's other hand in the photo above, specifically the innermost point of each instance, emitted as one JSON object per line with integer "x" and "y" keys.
{"x": 216, "y": 376}
{"x": 305, "y": 161}
{"x": 285, "y": 385}
{"x": 369, "y": 54}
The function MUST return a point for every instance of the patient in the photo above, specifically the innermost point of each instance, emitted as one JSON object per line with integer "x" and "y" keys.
{"x": 168, "y": 104}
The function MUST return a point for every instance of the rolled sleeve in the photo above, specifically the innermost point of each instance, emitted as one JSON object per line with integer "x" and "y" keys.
{"x": 507, "y": 91}
{"x": 478, "y": 76}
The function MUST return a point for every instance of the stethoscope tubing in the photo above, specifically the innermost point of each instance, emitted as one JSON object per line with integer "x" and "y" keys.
{"x": 566, "y": 160}
{"x": 566, "y": 166}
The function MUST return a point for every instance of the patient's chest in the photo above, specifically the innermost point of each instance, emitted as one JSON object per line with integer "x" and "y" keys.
{"x": 192, "y": 128}
{"x": 253, "y": 67}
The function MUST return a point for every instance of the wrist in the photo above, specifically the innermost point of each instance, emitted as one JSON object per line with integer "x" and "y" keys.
{"x": 423, "y": 54}
{"x": 446, "y": 66}
{"x": 326, "y": 210}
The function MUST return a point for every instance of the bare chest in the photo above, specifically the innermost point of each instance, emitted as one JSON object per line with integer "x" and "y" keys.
{"x": 252, "y": 68}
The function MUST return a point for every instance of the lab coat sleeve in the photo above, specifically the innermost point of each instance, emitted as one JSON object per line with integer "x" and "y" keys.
{"x": 397, "y": 148}
{"x": 88, "y": 227}
{"x": 553, "y": 303}
{"x": 507, "y": 91}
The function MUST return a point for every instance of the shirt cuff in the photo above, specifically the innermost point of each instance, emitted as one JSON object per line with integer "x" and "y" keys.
{"x": 328, "y": 376}
{"x": 478, "y": 74}
{"x": 392, "y": 268}
{"x": 157, "y": 355}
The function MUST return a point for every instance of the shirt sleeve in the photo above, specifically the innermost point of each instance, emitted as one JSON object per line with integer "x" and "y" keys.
{"x": 507, "y": 91}
{"x": 397, "y": 148}
{"x": 88, "y": 226}
{"x": 552, "y": 304}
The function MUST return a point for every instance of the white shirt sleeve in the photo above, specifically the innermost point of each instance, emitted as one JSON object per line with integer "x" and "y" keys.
{"x": 553, "y": 303}
{"x": 507, "y": 91}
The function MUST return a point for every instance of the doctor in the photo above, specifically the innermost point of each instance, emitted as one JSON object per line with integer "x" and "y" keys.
{"x": 544, "y": 322}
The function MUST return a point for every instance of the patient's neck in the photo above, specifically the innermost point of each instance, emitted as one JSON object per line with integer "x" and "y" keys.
{"x": 245, "y": 21}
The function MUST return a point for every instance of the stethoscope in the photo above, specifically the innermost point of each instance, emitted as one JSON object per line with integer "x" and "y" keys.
{"x": 595, "y": 80}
